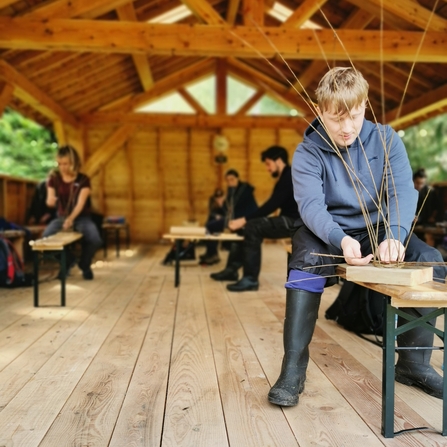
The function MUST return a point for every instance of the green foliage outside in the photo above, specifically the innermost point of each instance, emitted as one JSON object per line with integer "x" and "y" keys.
{"x": 26, "y": 148}
{"x": 426, "y": 145}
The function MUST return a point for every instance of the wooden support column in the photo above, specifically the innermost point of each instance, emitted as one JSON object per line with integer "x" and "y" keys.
{"x": 102, "y": 194}
{"x": 247, "y": 154}
{"x": 192, "y": 209}
{"x": 161, "y": 182}
{"x": 221, "y": 87}
{"x": 130, "y": 187}
{"x": 68, "y": 135}
{"x": 6, "y": 94}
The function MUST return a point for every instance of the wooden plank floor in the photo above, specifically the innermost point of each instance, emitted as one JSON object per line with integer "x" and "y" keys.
{"x": 134, "y": 362}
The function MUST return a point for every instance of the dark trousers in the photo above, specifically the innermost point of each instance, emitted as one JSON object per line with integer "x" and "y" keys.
{"x": 304, "y": 243}
{"x": 249, "y": 252}
{"x": 90, "y": 242}
{"x": 213, "y": 226}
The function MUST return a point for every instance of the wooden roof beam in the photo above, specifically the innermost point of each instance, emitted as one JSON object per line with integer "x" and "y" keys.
{"x": 232, "y": 10}
{"x": 275, "y": 88}
{"x": 303, "y": 13}
{"x": 164, "y": 86}
{"x": 429, "y": 102}
{"x": 204, "y": 12}
{"x": 6, "y": 94}
{"x": 108, "y": 149}
{"x": 410, "y": 11}
{"x": 221, "y": 86}
{"x": 141, "y": 62}
{"x": 192, "y": 101}
{"x": 74, "y": 8}
{"x": 30, "y": 94}
{"x": 198, "y": 121}
{"x": 250, "y": 102}
{"x": 253, "y": 12}
{"x": 220, "y": 41}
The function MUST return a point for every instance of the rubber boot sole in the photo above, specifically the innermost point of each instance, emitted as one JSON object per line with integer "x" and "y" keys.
{"x": 412, "y": 382}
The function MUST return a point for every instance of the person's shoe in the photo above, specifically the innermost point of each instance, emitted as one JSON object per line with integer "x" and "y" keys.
{"x": 225, "y": 275}
{"x": 421, "y": 376}
{"x": 87, "y": 273}
{"x": 244, "y": 284}
{"x": 210, "y": 260}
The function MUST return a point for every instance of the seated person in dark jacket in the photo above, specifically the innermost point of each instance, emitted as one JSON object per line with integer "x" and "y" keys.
{"x": 239, "y": 202}
{"x": 39, "y": 213}
{"x": 259, "y": 226}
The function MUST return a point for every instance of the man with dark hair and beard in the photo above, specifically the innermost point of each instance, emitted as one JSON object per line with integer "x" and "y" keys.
{"x": 257, "y": 225}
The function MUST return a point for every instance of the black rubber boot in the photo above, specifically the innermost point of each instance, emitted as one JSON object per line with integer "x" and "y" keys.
{"x": 413, "y": 366}
{"x": 299, "y": 324}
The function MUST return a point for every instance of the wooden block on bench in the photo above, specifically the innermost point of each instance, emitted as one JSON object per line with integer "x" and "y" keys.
{"x": 56, "y": 241}
{"x": 188, "y": 231}
{"x": 400, "y": 276}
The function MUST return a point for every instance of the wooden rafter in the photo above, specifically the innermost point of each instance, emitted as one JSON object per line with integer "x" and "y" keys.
{"x": 253, "y": 12}
{"x": 192, "y": 101}
{"x": 204, "y": 12}
{"x": 164, "y": 86}
{"x": 273, "y": 87}
{"x": 199, "y": 121}
{"x": 250, "y": 102}
{"x": 73, "y": 8}
{"x": 412, "y": 12}
{"x": 141, "y": 62}
{"x": 303, "y": 13}
{"x": 232, "y": 10}
{"x": 357, "y": 20}
{"x": 108, "y": 149}
{"x": 221, "y": 86}
{"x": 220, "y": 41}
{"x": 6, "y": 94}
{"x": 29, "y": 93}
{"x": 431, "y": 101}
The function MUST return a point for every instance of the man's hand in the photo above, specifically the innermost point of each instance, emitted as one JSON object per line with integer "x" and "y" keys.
{"x": 352, "y": 253}
{"x": 235, "y": 224}
{"x": 391, "y": 250}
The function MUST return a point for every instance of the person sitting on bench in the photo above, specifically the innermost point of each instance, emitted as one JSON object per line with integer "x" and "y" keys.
{"x": 338, "y": 173}
{"x": 69, "y": 191}
{"x": 258, "y": 225}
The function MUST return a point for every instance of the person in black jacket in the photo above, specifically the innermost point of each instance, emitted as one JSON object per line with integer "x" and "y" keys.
{"x": 239, "y": 202}
{"x": 259, "y": 226}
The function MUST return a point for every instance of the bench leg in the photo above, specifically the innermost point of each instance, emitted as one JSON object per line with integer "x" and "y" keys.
{"x": 388, "y": 371}
{"x": 104, "y": 239}
{"x": 36, "y": 277}
{"x": 178, "y": 243}
{"x": 117, "y": 242}
{"x": 63, "y": 276}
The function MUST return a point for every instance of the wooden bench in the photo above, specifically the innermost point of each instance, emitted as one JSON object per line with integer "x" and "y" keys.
{"x": 178, "y": 234}
{"x": 116, "y": 228}
{"x": 398, "y": 297}
{"x": 52, "y": 245}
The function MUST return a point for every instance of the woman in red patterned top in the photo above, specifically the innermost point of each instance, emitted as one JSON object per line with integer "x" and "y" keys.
{"x": 69, "y": 191}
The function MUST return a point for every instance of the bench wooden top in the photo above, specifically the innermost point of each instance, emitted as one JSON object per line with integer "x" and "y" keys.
{"x": 427, "y": 294}
{"x": 205, "y": 237}
{"x": 12, "y": 233}
{"x": 56, "y": 241}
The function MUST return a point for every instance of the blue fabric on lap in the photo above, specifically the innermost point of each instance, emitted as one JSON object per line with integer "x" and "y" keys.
{"x": 305, "y": 281}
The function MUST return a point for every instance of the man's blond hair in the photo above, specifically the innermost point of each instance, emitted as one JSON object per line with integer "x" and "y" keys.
{"x": 341, "y": 89}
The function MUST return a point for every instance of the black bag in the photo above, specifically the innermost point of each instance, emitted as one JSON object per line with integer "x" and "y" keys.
{"x": 358, "y": 309}
{"x": 12, "y": 272}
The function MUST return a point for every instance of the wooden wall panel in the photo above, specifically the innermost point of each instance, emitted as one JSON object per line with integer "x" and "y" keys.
{"x": 171, "y": 183}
